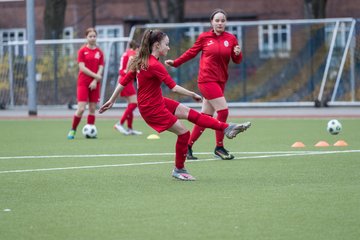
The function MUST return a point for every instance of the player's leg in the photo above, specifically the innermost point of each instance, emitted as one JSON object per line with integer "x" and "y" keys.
{"x": 119, "y": 126}
{"x": 197, "y": 130}
{"x": 221, "y": 108}
{"x": 230, "y": 130}
{"x": 130, "y": 115}
{"x": 179, "y": 172}
{"x": 94, "y": 96}
{"x": 91, "y": 116}
{"x": 82, "y": 98}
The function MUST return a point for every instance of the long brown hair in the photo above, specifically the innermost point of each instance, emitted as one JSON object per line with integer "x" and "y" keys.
{"x": 149, "y": 38}
{"x": 90, "y": 30}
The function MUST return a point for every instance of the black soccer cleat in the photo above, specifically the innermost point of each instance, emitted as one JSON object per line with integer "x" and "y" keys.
{"x": 189, "y": 154}
{"x": 222, "y": 153}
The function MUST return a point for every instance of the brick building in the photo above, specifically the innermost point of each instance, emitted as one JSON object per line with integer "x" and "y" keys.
{"x": 114, "y": 18}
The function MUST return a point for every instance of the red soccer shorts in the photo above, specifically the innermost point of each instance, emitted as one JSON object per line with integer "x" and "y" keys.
{"x": 84, "y": 94}
{"x": 212, "y": 90}
{"x": 128, "y": 90}
{"x": 162, "y": 118}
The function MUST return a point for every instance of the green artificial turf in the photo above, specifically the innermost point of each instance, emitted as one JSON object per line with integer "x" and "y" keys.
{"x": 120, "y": 187}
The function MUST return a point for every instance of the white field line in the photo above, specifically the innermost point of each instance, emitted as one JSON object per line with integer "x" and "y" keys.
{"x": 136, "y": 155}
{"x": 280, "y": 154}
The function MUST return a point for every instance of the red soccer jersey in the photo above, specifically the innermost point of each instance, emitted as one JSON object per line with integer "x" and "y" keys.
{"x": 215, "y": 57}
{"x": 151, "y": 102}
{"x": 93, "y": 59}
{"x": 124, "y": 60}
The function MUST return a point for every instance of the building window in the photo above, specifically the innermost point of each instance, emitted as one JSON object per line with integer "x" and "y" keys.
{"x": 110, "y": 31}
{"x": 235, "y": 30}
{"x": 194, "y": 32}
{"x": 341, "y": 36}
{"x": 13, "y": 35}
{"x": 68, "y": 49}
{"x": 274, "y": 40}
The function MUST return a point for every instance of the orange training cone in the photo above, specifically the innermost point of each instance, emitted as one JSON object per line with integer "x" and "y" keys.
{"x": 340, "y": 143}
{"x": 298, "y": 145}
{"x": 322, "y": 144}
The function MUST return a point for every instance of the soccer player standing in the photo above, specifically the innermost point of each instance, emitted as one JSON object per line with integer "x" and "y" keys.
{"x": 217, "y": 47}
{"x": 162, "y": 113}
{"x": 129, "y": 93}
{"x": 91, "y": 65}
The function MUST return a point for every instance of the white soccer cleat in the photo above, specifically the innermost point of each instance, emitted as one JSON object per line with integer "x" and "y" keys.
{"x": 182, "y": 174}
{"x": 121, "y": 129}
{"x": 134, "y": 132}
{"x": 235, "y": 128}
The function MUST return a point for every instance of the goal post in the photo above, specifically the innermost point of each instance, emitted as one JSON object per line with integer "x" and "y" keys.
{"x": 286, "y": 62}
{"x": 56, "y": 70}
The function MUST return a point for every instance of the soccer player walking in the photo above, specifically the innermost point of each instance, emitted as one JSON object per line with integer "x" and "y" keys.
{"x": 162, "y": 113}
{"x": 217, "y": 47}
{"x": 91, "y": 65}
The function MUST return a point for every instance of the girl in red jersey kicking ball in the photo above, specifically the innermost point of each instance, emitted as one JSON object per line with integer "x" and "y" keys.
{"x": 162, "y": 113}
{"x": 91, "y": 65}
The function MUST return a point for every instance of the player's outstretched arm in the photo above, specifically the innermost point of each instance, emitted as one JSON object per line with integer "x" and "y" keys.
{"x": 183, "y": 91}
{"x": 112, "y": 99}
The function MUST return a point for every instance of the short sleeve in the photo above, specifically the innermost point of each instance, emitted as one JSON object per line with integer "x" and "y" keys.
{"x": 164, "y": 76}
{"x": 81, "y": 55}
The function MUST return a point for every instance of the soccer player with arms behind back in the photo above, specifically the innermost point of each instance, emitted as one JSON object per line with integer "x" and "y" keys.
{"x": 91, "y": 65}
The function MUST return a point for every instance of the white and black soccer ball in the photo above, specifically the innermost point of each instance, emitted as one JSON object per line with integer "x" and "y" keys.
{"x": 89, "y": 131}
{"x": 334, "y": 127}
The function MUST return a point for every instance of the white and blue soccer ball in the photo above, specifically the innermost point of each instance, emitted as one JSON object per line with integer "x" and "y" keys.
{"x": 89, "y": 131}
{"x": 334, "y": 127}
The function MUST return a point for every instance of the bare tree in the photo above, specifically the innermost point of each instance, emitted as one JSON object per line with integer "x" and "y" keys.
{"x": 175, "y": 10}
{"x": 54, "y": 18}
{"x": 315, "y": 8}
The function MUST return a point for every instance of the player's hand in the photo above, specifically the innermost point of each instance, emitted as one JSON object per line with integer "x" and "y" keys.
{"x": 197, "y": 97}
{"x": 237, "y": 50}
{"x": 106, "y": 106}
{"x": 93, "y": 84}
{"x": 98, "y": 77}
{"x": 169, "y": 62}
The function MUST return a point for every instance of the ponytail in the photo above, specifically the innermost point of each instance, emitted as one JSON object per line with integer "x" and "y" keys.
{"x": 149, "y": 38}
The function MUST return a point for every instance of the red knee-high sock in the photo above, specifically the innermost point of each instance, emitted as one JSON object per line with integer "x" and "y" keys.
{"x": 128, "y": 114}
{"x": 206, "y": 121}
{"x": 91, "y": 119}
{"x": 196, "y": 132}
{"x": 75, "y": 122}
{"x": 130, "y": 117}
{"x": 181, "y": 150}
{"x": 222, "y": 116}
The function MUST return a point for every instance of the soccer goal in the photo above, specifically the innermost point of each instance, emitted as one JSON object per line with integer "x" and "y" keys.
{"x": 56, "y": 70}
{"x": 286, "y": 62}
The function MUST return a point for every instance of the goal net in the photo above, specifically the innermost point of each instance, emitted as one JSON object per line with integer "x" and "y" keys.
{"x": 292, "y": 62}
{"x": 56, "y": 70}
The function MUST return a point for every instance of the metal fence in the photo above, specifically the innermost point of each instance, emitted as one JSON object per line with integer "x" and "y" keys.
{"x": 286, "y": 62}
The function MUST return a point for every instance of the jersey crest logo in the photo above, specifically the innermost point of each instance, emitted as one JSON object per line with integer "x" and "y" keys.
{"x": 226, "y": 43}
{"x": 97, "y": 55}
